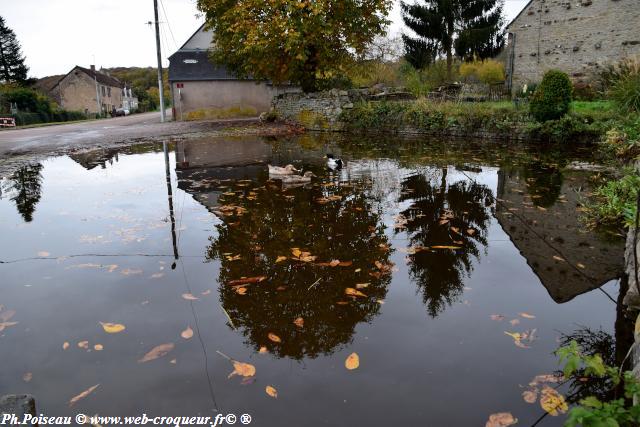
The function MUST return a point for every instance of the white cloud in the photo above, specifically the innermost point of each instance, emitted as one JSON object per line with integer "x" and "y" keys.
{"x": 55, "y": 35}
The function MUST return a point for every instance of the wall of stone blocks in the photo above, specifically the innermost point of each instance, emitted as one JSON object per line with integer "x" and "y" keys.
{"x": 579, "y": 37}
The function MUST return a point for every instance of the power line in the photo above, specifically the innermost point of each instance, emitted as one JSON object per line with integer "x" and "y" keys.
{"x": 166, "y": 17}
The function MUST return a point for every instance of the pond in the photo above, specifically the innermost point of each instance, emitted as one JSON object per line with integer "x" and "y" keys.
{"x": 453, "y": 270}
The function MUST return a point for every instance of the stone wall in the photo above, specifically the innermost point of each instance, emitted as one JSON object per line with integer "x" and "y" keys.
{"x": 321, "y": 111}
{"x": 632, "y": 300}
{"x": 578, "y": 37}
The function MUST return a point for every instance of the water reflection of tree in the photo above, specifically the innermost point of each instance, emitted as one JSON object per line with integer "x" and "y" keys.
{"x": 24, "y": 188}
{"x": 273, "y": 223}
{"x": 439, "y": 273}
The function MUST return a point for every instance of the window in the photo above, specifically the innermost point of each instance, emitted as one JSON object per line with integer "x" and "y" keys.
{"x": 103, "y": 91}
{"x": 109, "y": 92}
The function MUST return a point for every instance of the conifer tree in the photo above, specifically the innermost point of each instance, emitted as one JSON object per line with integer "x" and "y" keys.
{"x": 467, "y": 29}
{"x": 12, "y": 66}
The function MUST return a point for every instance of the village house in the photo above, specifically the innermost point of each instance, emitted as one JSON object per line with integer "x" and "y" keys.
{"x": 86, "y": 90}
{"x": 579, "y": 37}
{"x": 200, "y": 88}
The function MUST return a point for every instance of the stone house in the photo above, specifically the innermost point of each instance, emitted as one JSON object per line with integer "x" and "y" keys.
{"x": 84, "y": 89}
{"x": 578, "y": 37}
{"x": 200, "y": 88}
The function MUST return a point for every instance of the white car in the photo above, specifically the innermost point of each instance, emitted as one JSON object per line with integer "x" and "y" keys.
{"x": 122, "y": 112}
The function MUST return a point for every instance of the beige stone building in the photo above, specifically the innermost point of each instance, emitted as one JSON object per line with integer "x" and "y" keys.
{"x": 201, "y": 89}
{"x": 84, "y": 89}
{"x": 579, "y": 37}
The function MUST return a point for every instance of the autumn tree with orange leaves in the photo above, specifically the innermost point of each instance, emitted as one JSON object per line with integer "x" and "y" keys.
{"x": 306, "y": 43}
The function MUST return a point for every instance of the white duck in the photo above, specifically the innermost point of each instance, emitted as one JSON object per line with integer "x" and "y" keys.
{"x": 283, "y": 171}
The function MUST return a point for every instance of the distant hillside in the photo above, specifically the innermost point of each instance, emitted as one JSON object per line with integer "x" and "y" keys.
{"x": 144, "y": 82}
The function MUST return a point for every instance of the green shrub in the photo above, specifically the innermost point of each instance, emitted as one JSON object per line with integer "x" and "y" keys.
{"x": 616, "y": 201}
{"x": 552, "y": 98}
{"x": 626, "y": 92}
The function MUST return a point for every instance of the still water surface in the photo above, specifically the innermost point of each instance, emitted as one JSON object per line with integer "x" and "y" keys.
{"x": 433, "y": 239}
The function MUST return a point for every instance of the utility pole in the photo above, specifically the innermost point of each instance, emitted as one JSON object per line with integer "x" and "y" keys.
{"x": 159, "y": 52}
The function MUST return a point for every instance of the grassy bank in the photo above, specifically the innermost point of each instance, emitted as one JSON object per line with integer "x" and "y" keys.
{"x": 587, "y": 120}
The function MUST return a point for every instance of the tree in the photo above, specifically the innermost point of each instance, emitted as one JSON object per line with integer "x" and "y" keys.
{"x": 12, "y": 66}
{"x": 303, "y": 42}
{"x": 470, "y": 29}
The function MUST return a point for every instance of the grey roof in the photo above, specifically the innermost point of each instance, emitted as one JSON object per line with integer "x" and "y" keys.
{"x": 195, "y": 65}
{"x": 101, "y": 77}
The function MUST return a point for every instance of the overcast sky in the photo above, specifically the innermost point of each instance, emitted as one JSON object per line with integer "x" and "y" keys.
{"x": 55, "y": 35}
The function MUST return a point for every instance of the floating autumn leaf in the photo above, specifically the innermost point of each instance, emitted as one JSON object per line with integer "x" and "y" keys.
{"x": 517, "y": 339}
{"x": 65, "y": 345}
{"x": 281, "y": 259}
{"x": 471, "y": 232}
{"x": 242, "y": 369}
{"x": 527, "y": 315}
{"x": 354, "y": 293}
{"x": 157, "y": 275}
{"x": 299, "y": 322}
{"x": 248, "y": 280}
{"x": 187, "y": 333}
{"x": 514, "y": 322}
{"x": 553, "y": 402}
{"x": 334, "y": 263}
{"x": 263, "y": 350}
{"x": 497, "y": 317}
{"x": 98, "y": 347}
{"x": 28, "y": 376}
{"x": 580, "y": 265}
{"x": 189, "y": 297}
{"x": 453, "y": 248}
{"x": 84, "y": 345}
{"x": 207, "y": 292}
{"x": 157, "y": 352}
{"x": 501, "y": 419}
{"x": 43, "y": 254}
{"x": 112, "y": 328}
{"x": 530, "y": 395}
{"x": 82, "y": 395}
{"x": 273, "y": 337}
{"x": 296, "y": 252}
{"x": 546, "y": 378}
{"x": 5, "y": 325}
{"x": 131, "y": 271}
{"x": 352, "y": 362}
{"x": 381, "y": 302}
{"x": 5, "y": 316}
{"x": 271, "y": 391}
{"x": 362, "y": 285}
{"x": 241, "y": 290}
{"x": 557, "y": 258}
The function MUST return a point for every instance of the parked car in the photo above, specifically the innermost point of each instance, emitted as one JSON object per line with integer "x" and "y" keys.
{"x": 122, "y": 112}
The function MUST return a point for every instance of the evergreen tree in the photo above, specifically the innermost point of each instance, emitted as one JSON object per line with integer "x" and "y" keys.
{"x": 467, "y": 29}
{"x": 12, "y": 66}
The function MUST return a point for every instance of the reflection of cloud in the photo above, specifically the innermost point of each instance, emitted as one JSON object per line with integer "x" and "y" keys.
{"x": 269, "y": 224}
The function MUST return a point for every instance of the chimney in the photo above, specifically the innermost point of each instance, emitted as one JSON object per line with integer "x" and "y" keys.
{"x": 93, "y": 68}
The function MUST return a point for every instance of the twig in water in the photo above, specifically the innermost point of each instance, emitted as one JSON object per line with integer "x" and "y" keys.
{"x": 228, "y": 317}
{"x": 314, "y": 284}
{"x": 224, "y": 355}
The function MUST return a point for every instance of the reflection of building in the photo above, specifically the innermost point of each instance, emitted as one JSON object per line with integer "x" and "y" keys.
{"x": 129, "y": 102}
{"x": 568, "y": 259}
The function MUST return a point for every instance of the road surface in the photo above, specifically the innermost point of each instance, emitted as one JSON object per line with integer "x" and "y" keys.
{"x": 74, "y": 136}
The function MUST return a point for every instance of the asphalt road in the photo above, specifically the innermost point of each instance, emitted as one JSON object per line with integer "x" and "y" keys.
{"x": 82, "y": 134}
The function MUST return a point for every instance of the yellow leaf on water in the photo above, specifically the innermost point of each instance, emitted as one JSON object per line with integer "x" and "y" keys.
{"x": 98, "y": 347}
{"x": 553, "y": 402}
{"x": 187, "y": 333}
{"x": 65, "y": 345}
{"x": 241, "y": 290}
{"x": 281, "y": 259}
{"x": 263, "y": 350}
{"x": 242, "y": 369}
{"x": 580, "y": 265}
{"x": 112, "y": 328}
{"x": 271, "y": 391}
{"x": 352, "y": 362}
{"x": 273, "y": 337}
{"x": 296, "y": 252}
{"x": 557, "y": 258}
{"x": 84, "y": 345}
{"x": 362, "y": 285}
{"x": 82, "y": 395}
{"x": 189, "y": 297}
{"x": 527, "y": 315}
{"x": 501, "y": 419}
{"x": 446, "y": 247}
{"x": 157, "y": 352}
{"x": 28, "y": 376}
{"x": 353, "y": 292}
{"x": 299, "y": 322}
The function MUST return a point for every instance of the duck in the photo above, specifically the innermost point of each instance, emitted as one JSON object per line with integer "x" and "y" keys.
{"x": 333, "y": 163}
{"x": 297, "y": 179}
{"x": 287, "y": 170}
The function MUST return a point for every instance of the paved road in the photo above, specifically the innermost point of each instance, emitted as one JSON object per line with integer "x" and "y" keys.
{"x": 99, "y": 133}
